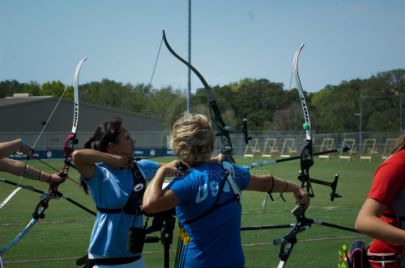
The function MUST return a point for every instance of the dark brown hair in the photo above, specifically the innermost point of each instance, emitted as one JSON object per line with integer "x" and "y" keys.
{"x": 106, "y": 132}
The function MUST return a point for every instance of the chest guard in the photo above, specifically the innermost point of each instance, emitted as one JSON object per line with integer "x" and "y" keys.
{"x": 134, "y": 202}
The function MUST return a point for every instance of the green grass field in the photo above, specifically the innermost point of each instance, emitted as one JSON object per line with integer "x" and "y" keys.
{"x": 62, "y": 236}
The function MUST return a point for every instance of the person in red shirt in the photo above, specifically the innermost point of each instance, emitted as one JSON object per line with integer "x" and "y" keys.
{"x": 382, "y": 215}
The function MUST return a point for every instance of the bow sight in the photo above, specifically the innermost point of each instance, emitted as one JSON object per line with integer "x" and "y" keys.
{"x": 306, "y": 158}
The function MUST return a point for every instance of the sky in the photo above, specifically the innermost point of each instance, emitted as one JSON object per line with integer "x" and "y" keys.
{"x": 43, "y": 40}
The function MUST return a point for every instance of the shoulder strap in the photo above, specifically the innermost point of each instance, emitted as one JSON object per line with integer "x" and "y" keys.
{"x": 137, "y": 174}
{"x": 133, "y": 205}
{"x": 231, "y": 177}
{"x": 228, "y": 176}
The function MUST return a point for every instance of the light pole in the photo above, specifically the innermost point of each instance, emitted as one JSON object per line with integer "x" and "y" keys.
{"x": 360, "y": 115}
{"x": 400, "y": 113}
{"x": 189, "y": 58}
{"x": 360, "y": 130}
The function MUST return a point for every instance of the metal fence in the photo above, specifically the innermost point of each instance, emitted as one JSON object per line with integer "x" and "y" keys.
{"x": 157, "y": 143}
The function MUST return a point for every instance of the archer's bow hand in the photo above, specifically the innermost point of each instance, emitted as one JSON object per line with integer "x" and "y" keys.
{"x": 56, "y": 179}
{"x": 301, "y": 197}
{"x": 175, "y": 168}
{"x": 121, "y": 161}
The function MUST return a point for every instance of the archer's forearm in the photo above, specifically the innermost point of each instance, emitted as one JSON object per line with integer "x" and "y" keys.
{"x": 9, "y": 147}
{"x": 378, "y": 229}
{"x": 368, "y": 222}
{"x": 19, "y": 168}
{"x": 88, "y": 157}
{"x": 284, "y": 186}
{"x": 266, "y": 183}
{"x": 153, "y": 191}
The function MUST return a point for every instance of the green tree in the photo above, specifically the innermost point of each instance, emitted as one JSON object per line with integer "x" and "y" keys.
{"x": 55, "y": 88}
{"x": 9, "y": 87}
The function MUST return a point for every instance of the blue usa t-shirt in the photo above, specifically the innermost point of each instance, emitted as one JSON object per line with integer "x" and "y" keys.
{"x": 214, "y": 240}
{"x": 111, "y": 188}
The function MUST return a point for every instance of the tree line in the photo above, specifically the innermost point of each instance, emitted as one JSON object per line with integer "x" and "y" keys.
{"x": 266, "y": 105}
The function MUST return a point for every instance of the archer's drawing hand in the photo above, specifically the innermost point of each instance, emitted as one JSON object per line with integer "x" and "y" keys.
{"x": 27, "y": 150}
{"x": 175, "y": 168}
{"x": 301, "y": 197}
{"x": 122, "y": 161}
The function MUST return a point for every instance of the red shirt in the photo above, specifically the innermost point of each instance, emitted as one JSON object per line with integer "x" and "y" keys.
{"x": 388, "y": 183}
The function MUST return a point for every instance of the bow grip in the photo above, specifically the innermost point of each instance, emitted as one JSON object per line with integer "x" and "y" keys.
{"x": 70, "y": 141}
